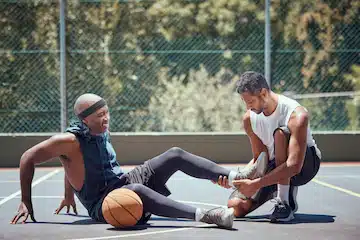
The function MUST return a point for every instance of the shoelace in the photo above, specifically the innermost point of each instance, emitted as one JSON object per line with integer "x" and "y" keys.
{"x": 278, "y": 204}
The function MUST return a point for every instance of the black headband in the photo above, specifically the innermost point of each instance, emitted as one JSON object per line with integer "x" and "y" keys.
{"x": 99, "y": 104}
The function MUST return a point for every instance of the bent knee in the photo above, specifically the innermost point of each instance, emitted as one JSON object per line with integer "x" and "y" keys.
{"x": 281, "y": 134}
{"x": 241, "y": 206}
{"x": 135, "y": 187}
{"x": 176, "y": 151}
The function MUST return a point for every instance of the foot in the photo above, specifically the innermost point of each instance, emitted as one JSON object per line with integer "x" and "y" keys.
{"x": 292, "y": 198}
{"x": 251, "y": 171}
{"x": 254, "y": 170}
{"x": 282, "y": 212}
{"x": 221, "y": 216}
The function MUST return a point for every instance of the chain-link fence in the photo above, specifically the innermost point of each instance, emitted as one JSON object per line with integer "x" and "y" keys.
{"x": 170, "y": 65}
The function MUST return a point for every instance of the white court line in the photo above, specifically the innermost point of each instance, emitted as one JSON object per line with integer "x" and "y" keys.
{"x": 336, "y": 188}
{"x": 45, "y": 197}
{"x": 17, "y": 181}
{"x": 156, "y": 232}
{"x": 61, "y": 180}
{"x": 60, "y": 197}
{"x": 144, "y": 234}
{"x": 43, "y": 178}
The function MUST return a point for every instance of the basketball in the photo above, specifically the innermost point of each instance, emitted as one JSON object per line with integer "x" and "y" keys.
{"x": 122, "y": 208}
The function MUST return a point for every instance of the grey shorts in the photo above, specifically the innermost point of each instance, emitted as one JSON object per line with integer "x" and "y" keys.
{"x": 142, "y": 174}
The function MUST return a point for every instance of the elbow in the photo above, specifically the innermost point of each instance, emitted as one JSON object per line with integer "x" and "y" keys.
{"x": 296, "y": 168}
{"x": 26, "y": 159}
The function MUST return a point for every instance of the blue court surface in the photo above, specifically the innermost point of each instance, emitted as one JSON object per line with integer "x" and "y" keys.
{"x": 329, "y": 208}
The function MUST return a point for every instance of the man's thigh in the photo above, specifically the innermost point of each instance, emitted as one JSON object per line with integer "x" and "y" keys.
{"x": 145, "y": 175}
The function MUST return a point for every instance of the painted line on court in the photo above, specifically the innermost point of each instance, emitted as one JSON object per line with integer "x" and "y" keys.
{"x": 336, "y": 188}
{"x": 144, "y": 234}
{"x": 157, "y": 232}
{"x": 201, "y": 203}
{"x": 17, "y": 181}
{"x": 36, "y": 182}
{"x": 44, "y": 197}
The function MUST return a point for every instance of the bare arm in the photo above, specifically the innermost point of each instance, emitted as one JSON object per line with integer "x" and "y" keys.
{"x": 68, "y": 199}
{"x": 42, "y": 152}
{"x": 257, "y": 145}
{"x": 69, "y": 193}
{"x": 298, "y": 124}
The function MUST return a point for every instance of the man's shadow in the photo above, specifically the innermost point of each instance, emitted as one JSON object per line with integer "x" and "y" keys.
{"x": 299, "y": 218}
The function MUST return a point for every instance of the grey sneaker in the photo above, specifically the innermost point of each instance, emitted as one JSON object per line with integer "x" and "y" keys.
{"x": 252, "y": 171}
{"x": 282, "y": 212}
{"x": 255, "y": 170}
{"x": 221, "y": 216}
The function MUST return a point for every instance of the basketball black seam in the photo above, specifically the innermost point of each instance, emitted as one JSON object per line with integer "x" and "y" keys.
{"x": 135, "y": 199}
{"x": 124, "y": 208}
{"x": 113, "y": 215}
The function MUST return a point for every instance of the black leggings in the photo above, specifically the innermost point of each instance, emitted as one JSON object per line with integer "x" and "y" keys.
{"x": 164, "y": 166}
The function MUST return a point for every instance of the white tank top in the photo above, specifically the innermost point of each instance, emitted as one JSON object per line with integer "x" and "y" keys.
{"x": 264, "y": 126}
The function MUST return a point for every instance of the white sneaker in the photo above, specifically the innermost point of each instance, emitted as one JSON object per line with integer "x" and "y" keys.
{"x": 221, "y": 216}
{"x": 254, "y": 170}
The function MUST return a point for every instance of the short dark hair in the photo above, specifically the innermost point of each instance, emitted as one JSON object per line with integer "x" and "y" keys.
{"x": 251, "y": 82}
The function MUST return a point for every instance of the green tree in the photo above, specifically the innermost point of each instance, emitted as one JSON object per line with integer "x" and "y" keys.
{"x": 195, "y": 102}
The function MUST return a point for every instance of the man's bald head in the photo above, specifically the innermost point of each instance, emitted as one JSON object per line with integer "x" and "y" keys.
{"x": 85, "y": 101}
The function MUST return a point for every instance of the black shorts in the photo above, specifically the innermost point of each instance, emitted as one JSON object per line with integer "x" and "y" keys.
{"x": 142, "y": 174}
{"x": 308, "y": 171}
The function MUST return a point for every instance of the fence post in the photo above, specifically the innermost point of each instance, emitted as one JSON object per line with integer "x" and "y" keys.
{"x": 267, "y": 42}
{"x": 63, "y": 110}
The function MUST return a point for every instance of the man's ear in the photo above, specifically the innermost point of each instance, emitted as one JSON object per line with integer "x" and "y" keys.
{"x": 264, "y": 92}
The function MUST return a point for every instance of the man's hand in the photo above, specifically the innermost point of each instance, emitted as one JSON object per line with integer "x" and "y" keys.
{"x": 222, "y": 181}
{"x": 25, "y": 209}
{"x": 246, "y": 186}
{"x": 67, "y": 202}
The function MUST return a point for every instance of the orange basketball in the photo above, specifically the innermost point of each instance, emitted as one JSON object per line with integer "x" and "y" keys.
{"x": 122, "y": 208}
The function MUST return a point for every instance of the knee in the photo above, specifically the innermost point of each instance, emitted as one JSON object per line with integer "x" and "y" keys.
{"x": 241, "y": 206}
{"x": 176, "y": 152}
{"x": 281, "y": 136}
{"x": 136, "y": 187}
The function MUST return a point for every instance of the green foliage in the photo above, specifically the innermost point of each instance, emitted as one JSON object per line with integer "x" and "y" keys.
{"x": 137, "y": 54}
{"x": 195, "y": 102}
{"x": 353, "y": 105}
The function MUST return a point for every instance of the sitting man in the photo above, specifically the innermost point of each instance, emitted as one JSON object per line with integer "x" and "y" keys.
{"x": 92, "y": 171}
{"x": 279, "y": 126}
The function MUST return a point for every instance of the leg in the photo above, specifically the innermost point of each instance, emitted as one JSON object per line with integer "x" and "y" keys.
{"x": 281, "y": 139}
{"x": 282, "y": 211}
{"x": 308, "y": 171}
{"x": 160, "y": 205}
{"x": 166, "y": 164}
{"x": 244, "y": 206}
